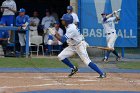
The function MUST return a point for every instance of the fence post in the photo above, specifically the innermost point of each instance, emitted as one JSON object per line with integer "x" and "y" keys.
{"x": 123, "y": 52}
{"x": 27, "y": 43}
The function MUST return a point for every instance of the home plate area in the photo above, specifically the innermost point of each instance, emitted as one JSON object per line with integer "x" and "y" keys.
{"x": 88, "y": 82}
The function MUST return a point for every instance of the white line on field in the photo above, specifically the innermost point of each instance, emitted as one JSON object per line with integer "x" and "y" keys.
{"x": 86, "y": 80}
{"x": 41, "y": 77}
{"x": 54, "y": 84}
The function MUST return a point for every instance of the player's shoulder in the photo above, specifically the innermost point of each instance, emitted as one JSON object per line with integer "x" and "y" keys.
{"x": 12, "y": 1}
{"x": 45, "y": 17}
{"x": 60, "y": 30}
{"x": 52, "y": 17}
{"x": 27, "y": 16}
{"x": 73, "y": 13}
{"x": 4, "y": 2}
{"x": 71, "y": 27}
{"x": 17, "y": 17}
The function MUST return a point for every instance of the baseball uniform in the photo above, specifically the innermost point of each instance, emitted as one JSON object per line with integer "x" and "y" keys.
{"x": 8, "y": 15}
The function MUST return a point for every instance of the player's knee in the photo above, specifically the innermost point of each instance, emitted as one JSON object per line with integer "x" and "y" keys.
{"x": 60, "y": 57}
{"x": 86, "y": 61}
{"x": 50, "y": 42}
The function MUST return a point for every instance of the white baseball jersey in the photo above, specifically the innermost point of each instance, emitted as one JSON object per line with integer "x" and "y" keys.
{"x": 60, "y": 32}
{"x": 73, "y": 35}
{"x": 36, "y": 21}
{"x": 109, "y": 25}
{"x": 75, "y": 17}
{"x": 47, "y": 21}
{"x": 11, "y": 4}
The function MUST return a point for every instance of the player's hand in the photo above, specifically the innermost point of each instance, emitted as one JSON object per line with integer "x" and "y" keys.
{"x": 115, "y": 12}
{"x": 19, "y": 28}
{"x": 52, "y": 31}
{"x": 23, "y": 25}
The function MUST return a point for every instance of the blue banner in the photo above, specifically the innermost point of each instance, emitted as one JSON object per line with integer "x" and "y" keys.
{"x": 91, "y": 24}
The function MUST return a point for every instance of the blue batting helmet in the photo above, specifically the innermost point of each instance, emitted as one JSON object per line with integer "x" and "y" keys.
{"x": 21, "y": 10}
{"x": 69, "y": 8}
{"x": 57, "y": 22}
{"x": 67, "y": 18}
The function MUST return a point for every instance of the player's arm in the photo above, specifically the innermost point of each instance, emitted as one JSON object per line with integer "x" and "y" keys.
{"x": 110, "y": 15}
{"x": 60, "y": 38}
{"x": 116, "y": 15}
{"x": 57, "y": 35}
{"x": 2, "y": 9}
{"x": 13, "y": 10}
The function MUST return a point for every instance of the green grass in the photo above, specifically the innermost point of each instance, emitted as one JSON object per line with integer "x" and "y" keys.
{"x": 34, "y": 62}
{"x": 128, "y": 65}
{"x": 130, "y": 50}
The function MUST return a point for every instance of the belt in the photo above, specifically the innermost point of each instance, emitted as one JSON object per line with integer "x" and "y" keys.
{"x": 78, "y": 43}
{"x": 109, "y": 33}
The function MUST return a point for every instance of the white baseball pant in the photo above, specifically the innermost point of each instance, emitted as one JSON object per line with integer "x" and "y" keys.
{"x": 80, "y": 49}
{"x": 22, "y": 39}
{"x": 111, "y": 38}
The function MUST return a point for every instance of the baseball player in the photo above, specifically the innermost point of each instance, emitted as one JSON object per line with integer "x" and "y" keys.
{"x": 74, "y": 15}
{"x": 76, "y": 45}
{"x": 111, "y": 36}
{"x": 47, "y": 22}
{"x": 4, "y": 35}
{"x": 34, "y": 22}
{"x": 52, "y": 40}
{"x": 22, "y": 21}
{"x": 9, "y": 9}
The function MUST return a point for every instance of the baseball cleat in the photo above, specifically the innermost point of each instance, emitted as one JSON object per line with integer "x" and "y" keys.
{"x": 74, "y": 71}
{"x": 105, "y": 60}
{"x": 102, "y": 76}
{"x": 118, "y": 58}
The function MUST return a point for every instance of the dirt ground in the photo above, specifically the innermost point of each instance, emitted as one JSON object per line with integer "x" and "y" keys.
{"x": 22, "y": 82}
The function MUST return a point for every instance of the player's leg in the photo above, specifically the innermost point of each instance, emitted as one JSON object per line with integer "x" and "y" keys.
{"x": 111, "y": 45}
{"x": 60, "y": 46}
{"x": 3, "y": 19}
{"x": 49, "y": 44}
{"x": 22, "y": 42}
{"x": 81, "y": 50}
{"x": 64, "y": 55}
{"x": 105, "y": 59}
{"x": 4, "y": 46}
{"x": 10, "y": 22}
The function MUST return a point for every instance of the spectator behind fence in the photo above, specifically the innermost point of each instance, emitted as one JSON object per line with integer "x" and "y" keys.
{"x": 34, "y": 22}
{"x": 74, "y": 15}
{"x": 22, "y": 21}
{"x": 4, "y": 35}
{"x": 48, "y": 20}
{"x": 9, "y": 9}
{"x": 51, "y": 40}
{"x": 54, "y": 14}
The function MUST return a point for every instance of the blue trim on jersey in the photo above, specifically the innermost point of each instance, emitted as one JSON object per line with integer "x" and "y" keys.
{"x": 104, "y": 19}
{"x": 63, "y": 39}
{"x": 66, "y": 36}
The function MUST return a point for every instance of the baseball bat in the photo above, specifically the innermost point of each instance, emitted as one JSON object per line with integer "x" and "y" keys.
{"x": 119, "y": 10}
{"x": 102, "y": 48}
